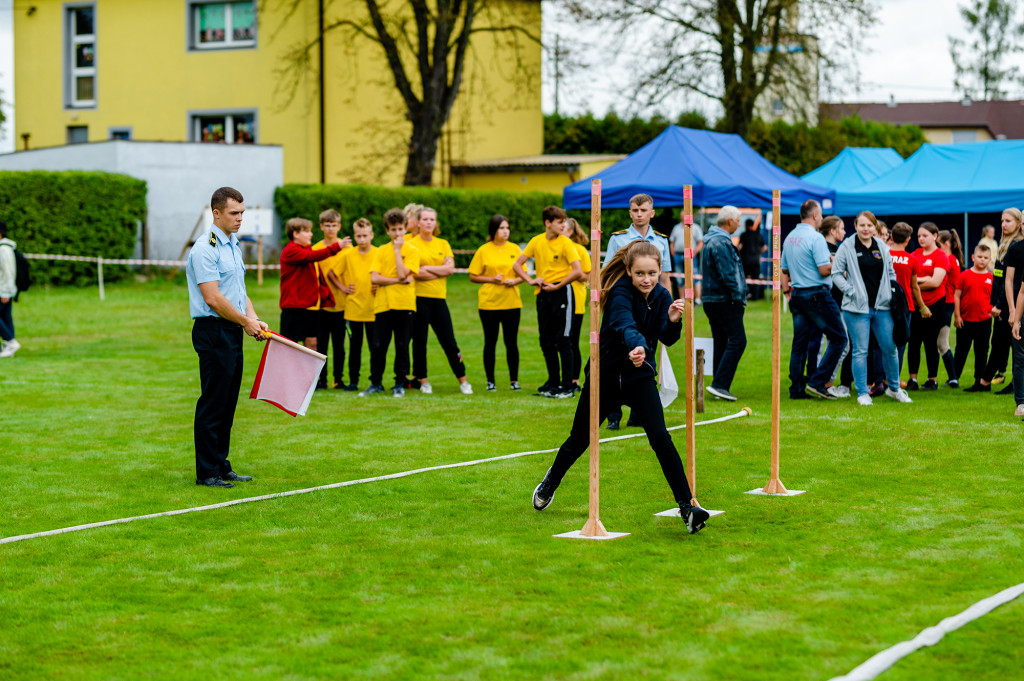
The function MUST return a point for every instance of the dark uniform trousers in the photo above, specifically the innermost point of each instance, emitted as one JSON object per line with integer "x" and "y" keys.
{"x": 219, "y": 346}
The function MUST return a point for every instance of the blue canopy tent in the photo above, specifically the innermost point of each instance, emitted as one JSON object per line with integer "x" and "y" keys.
{"x": 944, "y": 179}
{"x": 853, "y": 167}
{"x": 723, "y": 169}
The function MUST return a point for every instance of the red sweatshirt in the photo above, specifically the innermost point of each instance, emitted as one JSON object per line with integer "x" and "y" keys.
{"x": 300, "y": 285}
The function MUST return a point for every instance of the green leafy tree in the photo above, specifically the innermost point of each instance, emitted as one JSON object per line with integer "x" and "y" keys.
{"x": 730, "y": 51}
{"x": 611, "y": 134}
{"x": 995, "y": 36}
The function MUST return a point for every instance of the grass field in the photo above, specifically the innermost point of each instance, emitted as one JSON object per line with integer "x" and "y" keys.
{"x": 913, "y": 512}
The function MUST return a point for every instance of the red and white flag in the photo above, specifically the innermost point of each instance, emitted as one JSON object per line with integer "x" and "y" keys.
{"x": 288, "y": 375}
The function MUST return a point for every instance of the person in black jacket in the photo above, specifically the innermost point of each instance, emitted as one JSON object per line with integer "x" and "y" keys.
{"x": 638, "y": 313}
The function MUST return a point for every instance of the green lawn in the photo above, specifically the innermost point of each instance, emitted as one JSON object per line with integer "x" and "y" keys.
{"x": 913, "y": 513}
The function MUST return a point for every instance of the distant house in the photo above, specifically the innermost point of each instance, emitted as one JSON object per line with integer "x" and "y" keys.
{"x": 942, "y": 122}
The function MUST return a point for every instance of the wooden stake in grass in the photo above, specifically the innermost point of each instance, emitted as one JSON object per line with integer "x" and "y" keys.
{"x": 594, "y": 529}
{"x": 691, "y": 439}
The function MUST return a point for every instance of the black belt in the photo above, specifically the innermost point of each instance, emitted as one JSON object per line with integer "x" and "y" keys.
{"x": 215, "y": 321}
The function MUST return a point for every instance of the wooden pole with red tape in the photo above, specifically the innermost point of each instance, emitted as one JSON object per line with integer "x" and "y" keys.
{"x": 775, "y": 485}
{"x": 691, "y": 439}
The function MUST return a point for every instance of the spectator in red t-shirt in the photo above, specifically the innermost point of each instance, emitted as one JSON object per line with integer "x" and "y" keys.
{"x": 972, "y": 314}
{"x": 301, "y": 284}
{"x": 907, "y": 269}
{"x": 932, "y": 263}
{"x": 949, "y": 242}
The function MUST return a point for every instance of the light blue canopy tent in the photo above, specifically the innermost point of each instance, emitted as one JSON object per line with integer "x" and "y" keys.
{"x": 854, "y": 167}
{"x": 722, "y": 168}
{"x": 944, "y": 179}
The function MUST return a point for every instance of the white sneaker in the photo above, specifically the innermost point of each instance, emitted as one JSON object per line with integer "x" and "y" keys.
{"x": 834, "y": 392}
{"x": 466, "y": 388}
{"x": 1019, "y": 411}
{"x": 864, "y": 400}
{"x": 10, "y": 347}
{"x": 426, "y": 389}
{"x": 841, "y": 390}
{"x": 900, "y": 395}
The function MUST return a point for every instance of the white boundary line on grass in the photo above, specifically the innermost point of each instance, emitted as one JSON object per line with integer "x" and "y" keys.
{"x": 930, "y": 636}
{"x": 348, "y": 483}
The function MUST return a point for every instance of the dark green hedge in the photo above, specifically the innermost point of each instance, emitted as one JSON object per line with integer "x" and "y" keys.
{"x": 462, "y": 213}
{"x": 72, "y": 213}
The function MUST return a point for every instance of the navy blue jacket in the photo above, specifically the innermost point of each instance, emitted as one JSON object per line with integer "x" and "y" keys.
{"x": 631, "y": 321}
{"x": 723, "y": 272}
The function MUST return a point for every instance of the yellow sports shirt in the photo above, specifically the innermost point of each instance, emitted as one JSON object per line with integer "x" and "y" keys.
{"x": 490, "y": 261}
{"x": 331, "y": 264}
{"x": 579, "y": 287}
{"x": 355, "y": 269}
{"x": 432, "y": 253}
{"x": 395, "y": 296}
{"x": 552, "y": 258}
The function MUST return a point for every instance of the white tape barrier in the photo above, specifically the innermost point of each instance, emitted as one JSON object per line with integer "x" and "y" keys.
{"x": 348, "y": 483}
{"x": 930, "y": 636}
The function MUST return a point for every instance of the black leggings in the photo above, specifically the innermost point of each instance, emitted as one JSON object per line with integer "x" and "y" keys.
{"x": 433, "y": 313}
{"x": 355, "y": 346}
{"x": 646, "y": 405}
{"x": 574, "y": 338}
{"x": 508, "y": 320}
{"x": 925, "y": 331}
{"x": 1001, "y": 339}
{"x": 332, "y": 332}
{"x": 976, "y": 334}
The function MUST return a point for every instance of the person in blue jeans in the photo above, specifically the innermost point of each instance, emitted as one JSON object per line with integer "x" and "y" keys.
{"x": 806, "y": 269}
{"x": 725, "y": 296}
{"x": 863, "y": 271}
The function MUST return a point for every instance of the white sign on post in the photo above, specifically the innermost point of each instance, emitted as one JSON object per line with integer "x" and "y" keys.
{"x": 257, "y": 222}
{"x": 708, "y": 346}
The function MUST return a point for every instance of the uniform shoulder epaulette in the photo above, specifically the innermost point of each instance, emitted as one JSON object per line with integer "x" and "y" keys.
{"x": 213, "y": 239}
{"x": 621, "y": 231}
{"x": 663, "y": 236}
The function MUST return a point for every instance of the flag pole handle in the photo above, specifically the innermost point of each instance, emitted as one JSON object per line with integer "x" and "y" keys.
{"x": 281, "y": 339}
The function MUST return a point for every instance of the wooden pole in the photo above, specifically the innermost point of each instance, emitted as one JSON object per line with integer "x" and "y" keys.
{"x": 775, "y": 485}
{"x": 191, "y": 240}
{"x": 699, "y": 388}
{"x": 691, "y": 436}
{"x": 594, "y": 527}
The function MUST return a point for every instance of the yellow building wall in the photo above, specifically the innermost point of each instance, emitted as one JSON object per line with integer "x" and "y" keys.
{"x": 945, "y": 135}
{"x": 148, "y": 79}
{"x": 528, "y": 180}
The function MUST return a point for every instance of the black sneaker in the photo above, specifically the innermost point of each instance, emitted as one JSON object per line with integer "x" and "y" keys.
{"x": 544, "y": 391}
{"x": 630, "y": 423}
{"x": 930, "y": 385}
{"x": 515, "y": 386}
{"x": 613, "y": 424}
{"x": 576, "y": 388}
{"x": 952, "y": 383}
{"x": 877, "y": 391}
{"x": 491, "y": 387}
{"x": 978, "y": 388}
{"x": 562, "y": 392}
{"x": 350, "y": 388}
{"x": 721, "y": 393}
{"x": 821, "y": 392}
{"x": 799, "y": 396}
{"x": 372, "y": 389}
{"x": 912, "y": 384}
{"x": 694, "y": 516}
{"x": 544, "y": 493}
{"x": 398, "y": 391}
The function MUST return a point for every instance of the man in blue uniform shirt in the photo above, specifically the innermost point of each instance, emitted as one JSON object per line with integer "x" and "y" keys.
{"x": 641, "y": 210}
{"x": 222, "y": 312}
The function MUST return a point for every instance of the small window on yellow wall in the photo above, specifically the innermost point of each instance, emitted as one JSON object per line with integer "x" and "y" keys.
{"x": 80, "y": 50}
{"x": 220, "y": 128}
{"x": 223, "y": 24}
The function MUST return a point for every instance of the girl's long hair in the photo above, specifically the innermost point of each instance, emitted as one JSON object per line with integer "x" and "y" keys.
{"x": 1007, "y": 240}
{"x": 950, "y": 237}
{"x": 578, "y": 235}
{"x": 623, "y": 261}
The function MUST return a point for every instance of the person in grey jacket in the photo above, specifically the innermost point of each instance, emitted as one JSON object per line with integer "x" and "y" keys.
{"x": 863, "y": 271}
{"x": 725, "y": 295}
{"x": 8, "y": 291}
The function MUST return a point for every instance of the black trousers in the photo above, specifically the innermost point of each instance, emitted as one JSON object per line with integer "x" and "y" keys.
{"x": 643, "y": 398}
{"x": 331, "y": 331}
{"x": 752, "y": 270}
{"x": 219, "y": 346}
{"x": 574, "y": 341}
{"x": 432, "y": 313}
{"x": 925, "y": 331}
{"x": 554, "y": 324}
{"x": 399, "y": 324}
{"x": 508, "y": 321}
{"x": 976, "y": 334}
{"x": 355, "y": 347}
{"x": 1000, "y": 352}
{"x": 726, "y": 321}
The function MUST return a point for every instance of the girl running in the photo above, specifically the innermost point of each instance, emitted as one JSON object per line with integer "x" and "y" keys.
{"x": 638, "y": 313}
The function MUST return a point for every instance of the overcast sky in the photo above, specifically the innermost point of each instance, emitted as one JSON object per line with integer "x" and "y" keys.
{"x": 906, "y": 56}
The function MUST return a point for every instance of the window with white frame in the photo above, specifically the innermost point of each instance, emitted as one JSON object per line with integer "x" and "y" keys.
{"x": 224, "y": 128}
{"x": 81, "y": 55}
{"x": 217, "y": 25}
{"x": 962, "y": 136}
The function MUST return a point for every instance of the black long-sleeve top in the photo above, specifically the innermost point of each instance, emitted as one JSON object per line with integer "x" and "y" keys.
{"x": 632, "y": 321}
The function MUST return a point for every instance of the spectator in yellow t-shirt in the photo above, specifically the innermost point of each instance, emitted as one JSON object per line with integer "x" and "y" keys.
{"x": 354, "y": 272}
{"x": 436, "y": 264}
{"x": 556, "y": 266}
{"x": 498, "y": 301}
{"x": 580, "y": 240}
{"x": 394, "y": 305}
{"x": 331, "y": 328}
